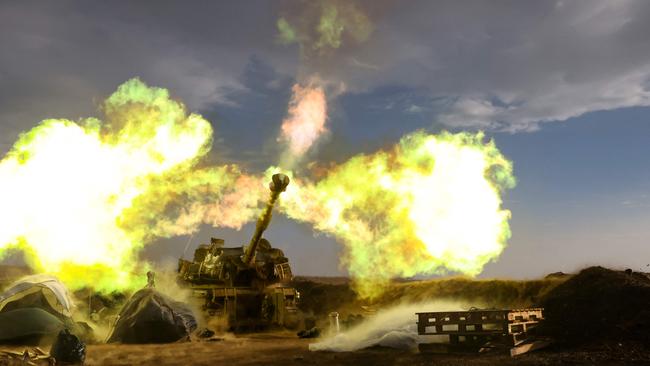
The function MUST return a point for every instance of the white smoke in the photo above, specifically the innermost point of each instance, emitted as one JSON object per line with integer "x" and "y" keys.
{"x": 394, "y": 328}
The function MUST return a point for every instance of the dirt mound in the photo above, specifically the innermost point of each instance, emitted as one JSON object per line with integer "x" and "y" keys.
{"x": 599, "y": 304}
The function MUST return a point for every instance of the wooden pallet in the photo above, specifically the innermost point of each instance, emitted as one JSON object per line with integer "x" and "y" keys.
{"x": 473, "y": 328}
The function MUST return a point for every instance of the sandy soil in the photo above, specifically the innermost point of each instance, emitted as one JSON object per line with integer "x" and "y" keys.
{"x": 287, "y": 350}
{"x": 325, "y": 295}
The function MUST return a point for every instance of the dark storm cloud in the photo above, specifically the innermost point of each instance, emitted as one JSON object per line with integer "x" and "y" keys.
{"x": 58, "y": 59}
{"x": 505, "y": 65}
{"x": 508, "y": 64}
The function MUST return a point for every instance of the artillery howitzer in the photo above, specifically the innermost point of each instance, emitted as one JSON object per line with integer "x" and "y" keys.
{"x": 245, "y": 286}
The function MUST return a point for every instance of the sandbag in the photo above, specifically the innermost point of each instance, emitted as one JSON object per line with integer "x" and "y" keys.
{"x": 39, "y": 291}
{"x": 28, "y": 325}
{"x": 151, "y": 317}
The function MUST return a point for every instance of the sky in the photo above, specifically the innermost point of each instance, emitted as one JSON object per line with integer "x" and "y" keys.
{"x": 563, "y": 87}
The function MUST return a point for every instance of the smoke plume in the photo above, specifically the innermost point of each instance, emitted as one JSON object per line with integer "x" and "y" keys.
{"x": 322, "y": 26}
{"x": 82, "y": 198}
{"x": 394, "y": 327}
{"x": 305, "y": 122}
{"x": 76, "y": 196}
{"x": 429, "y": 205}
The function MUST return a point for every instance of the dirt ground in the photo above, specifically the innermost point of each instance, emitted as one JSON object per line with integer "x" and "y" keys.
{"x": 288, "y": 350}
{"x": 576, "y": 305}
{"x": 285, "y": 349}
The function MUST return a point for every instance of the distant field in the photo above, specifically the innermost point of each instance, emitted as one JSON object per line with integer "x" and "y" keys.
{"x": 321, "y": 295}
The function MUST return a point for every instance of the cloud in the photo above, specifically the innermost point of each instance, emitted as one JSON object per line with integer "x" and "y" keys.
{"x": 57, "y": 59}
{"x": 507, "y": 65}
{"x": 497, "y": 65}
{"x": 322, "y": 26}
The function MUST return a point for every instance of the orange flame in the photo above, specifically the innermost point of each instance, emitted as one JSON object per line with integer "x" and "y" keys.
{"x": 306, "y": 120}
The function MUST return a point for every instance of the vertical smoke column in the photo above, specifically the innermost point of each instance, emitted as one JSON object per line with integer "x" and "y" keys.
{"x": 305, "y": 122}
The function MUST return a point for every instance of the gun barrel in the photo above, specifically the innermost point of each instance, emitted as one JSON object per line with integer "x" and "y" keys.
{"x": 278, "y": 185}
